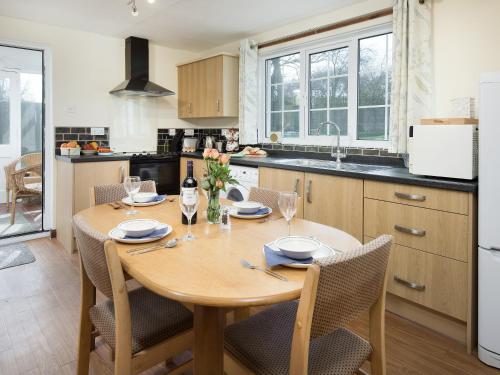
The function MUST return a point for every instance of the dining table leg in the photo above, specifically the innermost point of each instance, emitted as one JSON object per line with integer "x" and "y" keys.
{"x": 209, "y": 323}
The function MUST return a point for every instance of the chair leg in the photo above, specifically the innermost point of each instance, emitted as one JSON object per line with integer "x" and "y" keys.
{"x": 7, "y": 191}
{"x": 86, "y": 337}
{"x": 13, "y": 208}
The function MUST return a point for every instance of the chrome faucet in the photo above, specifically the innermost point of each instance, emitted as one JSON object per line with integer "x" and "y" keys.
{"x": 338, "y": 156}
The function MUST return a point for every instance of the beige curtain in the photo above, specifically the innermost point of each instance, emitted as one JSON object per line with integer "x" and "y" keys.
{"x": 412, "y": 84}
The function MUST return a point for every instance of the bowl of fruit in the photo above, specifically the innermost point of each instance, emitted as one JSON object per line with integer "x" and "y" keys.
{"x": 70, "y": 149}
{"x": 90, "y": 148}
{"x": 105, "y": 151}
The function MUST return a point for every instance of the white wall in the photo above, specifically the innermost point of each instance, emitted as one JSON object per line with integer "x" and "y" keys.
{"x": 86, "y": 66}
{"x": 466, "y": 37}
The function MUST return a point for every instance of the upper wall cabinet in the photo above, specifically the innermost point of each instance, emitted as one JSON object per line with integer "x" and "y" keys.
{"x": 208, "y": 87}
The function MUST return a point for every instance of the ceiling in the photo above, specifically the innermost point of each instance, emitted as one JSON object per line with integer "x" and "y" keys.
{"x": 195, "y": 25}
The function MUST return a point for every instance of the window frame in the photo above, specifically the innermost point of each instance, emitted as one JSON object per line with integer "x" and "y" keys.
{"x": 348, "y": 39}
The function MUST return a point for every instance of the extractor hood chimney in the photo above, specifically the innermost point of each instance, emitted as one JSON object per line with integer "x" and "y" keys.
{"x": 137, "y": 81}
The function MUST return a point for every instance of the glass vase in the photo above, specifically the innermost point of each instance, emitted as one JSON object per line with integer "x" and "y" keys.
{"x": 213, "y": 209}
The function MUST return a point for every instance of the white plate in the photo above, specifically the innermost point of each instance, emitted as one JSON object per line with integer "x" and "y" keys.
{"x": 247, "y": 207}
{"x": 145, "y": 197}
{"x": 322, "y": 252}
{"x": 234, "y": 213}
{"x": 128, "y": 201}
{"x": 138, "y": 227}
{"x": 117, "y": 235}
{"x": 298, "y": 247}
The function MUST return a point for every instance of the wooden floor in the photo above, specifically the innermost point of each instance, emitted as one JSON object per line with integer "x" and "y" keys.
{"x": 39, "y": 317}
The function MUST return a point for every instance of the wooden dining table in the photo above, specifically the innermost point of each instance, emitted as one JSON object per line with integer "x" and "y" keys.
{"x": 207, "y": 272}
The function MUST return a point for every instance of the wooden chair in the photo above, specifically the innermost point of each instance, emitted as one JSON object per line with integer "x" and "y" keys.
{"x": 142, "y": 328}
{"x": 267, "y": 197}
{"x": 308, "y": 336}
{"x": 102, "y": 194}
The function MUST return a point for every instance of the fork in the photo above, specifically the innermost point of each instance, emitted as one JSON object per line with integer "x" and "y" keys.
{"x": 245, "y": 263}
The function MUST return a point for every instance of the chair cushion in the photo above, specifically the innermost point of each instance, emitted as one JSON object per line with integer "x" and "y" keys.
{"x": 263, "y": 344}
{"x": 154, "y": 319}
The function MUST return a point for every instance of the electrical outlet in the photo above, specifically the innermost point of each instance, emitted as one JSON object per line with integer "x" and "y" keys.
{"x": 97, "y": 131}
{"x": 171, "y": 132}
{"x": 71, "y": 109}
{"x": 189, "y": 132}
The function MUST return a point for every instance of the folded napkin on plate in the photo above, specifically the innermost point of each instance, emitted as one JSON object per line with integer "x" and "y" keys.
{"x": 156, "y": 233}
{"x": 261, "y": 211}
{"x": 275, "y": 258}
{"x": 159, "y": 198}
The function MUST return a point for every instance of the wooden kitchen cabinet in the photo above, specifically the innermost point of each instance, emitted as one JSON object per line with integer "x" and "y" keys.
{"x": 284, "y": 180}
{"x": 198, "y": 169}
{"x": 73, "y": 184}
{"x": 208, "y": 88}
{"x": 335, "y": 201}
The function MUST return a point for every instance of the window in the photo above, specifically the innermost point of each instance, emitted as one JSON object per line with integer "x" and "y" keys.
{"x": 346, "y": 80}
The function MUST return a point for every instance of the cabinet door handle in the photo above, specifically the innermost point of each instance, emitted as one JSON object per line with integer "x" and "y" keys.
{"x": 409, "y": 284}
{"x": 296, "y": 188}
{"x": 122, "y": 174}
{"x": 412, "y": 231}
{"x": 218, "y": 105}
{"x": 410, "y": 197}
{"x": 309, "y": 192}
{"x": 189, "y": 108}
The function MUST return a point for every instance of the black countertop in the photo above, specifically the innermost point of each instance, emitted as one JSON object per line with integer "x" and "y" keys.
{"x": 386, "y": 173}
{"x": 93, "y": 158}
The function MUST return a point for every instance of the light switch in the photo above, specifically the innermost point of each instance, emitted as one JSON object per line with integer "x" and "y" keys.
{"x": 171, "y": 132}
{"x": 189, "y": 132}
{"x": 97, "y": 131}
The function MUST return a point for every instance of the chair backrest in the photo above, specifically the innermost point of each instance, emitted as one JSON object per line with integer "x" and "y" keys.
{"x": 9, "y": 169}
{"x": 115, "y": 192}
{"x": 28, "y": 160}
{"x": 267, "y": 197}
{"x": 349, "y": 284}
{"x": 90, "y": 245}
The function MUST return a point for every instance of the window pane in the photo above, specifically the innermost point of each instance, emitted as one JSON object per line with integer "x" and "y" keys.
{"x": 318, "y": 63}
{"x": 291, "y": 124}
{"x": 339, "y": 61}
{"x": 292, "y": 96}
{"x": 318, "y": 93}
{"x": 31, "y": 112}
{"x": 316, "y": 118}
{"x": 339, "y": 116}
{"x": 4, "y": 111}
{"x": 276, "y": 122}
{"x": 276, "y": 97}
{"x": 338, "y": 92}
{"x": 372, "y": 70}
{"x": 371, "y": 123}
{"x": 284, "y": 68}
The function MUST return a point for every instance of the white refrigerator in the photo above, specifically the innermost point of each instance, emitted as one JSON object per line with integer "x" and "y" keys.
{"x": 489, "y": 221}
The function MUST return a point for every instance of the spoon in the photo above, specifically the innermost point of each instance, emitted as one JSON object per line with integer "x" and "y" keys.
{"x": 169, "y": 244}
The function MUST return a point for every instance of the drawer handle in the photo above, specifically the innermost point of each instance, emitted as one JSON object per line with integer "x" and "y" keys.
{"x": 410, "y": 284}
{"x": 296, "y": 189}
{"x": 309, "y": 193}
{"x": 410, "y": 197}
{"x": 122, "y": 174}
{"x": 412, "y": 231}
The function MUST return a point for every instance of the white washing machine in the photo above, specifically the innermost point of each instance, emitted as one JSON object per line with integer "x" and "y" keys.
{"x": 248, "y": 177}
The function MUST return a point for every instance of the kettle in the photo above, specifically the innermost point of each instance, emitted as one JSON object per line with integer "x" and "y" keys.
{"x": 209, "y": 141}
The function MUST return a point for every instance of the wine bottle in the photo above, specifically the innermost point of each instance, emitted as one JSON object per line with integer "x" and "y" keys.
{"x": 189, "y": 184}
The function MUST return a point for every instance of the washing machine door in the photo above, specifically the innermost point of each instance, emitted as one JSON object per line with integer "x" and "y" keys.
{"x": 236, "y": 193}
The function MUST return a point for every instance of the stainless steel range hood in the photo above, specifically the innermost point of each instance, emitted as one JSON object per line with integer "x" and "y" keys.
{"x": 137, "y": 81}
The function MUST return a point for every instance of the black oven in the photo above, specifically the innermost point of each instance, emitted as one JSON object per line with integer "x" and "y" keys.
{"x": 161, "y": 168}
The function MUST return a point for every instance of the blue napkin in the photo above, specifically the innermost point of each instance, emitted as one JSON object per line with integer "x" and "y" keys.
{"x": 159, "y": 198}
{"x": 156, "y": 234}
{"x": 261, "y": 211}
{"x": 275, "y": 258}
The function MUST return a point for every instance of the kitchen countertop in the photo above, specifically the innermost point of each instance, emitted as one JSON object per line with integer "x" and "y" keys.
{"x": 92, "y": 158}
{"x": 385, "y": 173}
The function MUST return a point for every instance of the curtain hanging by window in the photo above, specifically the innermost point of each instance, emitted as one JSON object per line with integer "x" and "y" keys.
{"x": 248, "y": 92}
{"x": 412, "y": 85}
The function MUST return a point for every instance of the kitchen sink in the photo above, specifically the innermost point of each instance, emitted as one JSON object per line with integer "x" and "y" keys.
{"x": 331, "y": 164}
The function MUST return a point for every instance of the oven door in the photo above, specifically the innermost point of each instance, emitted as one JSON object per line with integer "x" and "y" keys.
{"x": 165, "y": 173}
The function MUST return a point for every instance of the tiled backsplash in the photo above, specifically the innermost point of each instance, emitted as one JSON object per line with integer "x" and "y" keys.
{"x": 164, "y": 137}
{"x": 81, "y": 135}
{"x": 327, "y": 149}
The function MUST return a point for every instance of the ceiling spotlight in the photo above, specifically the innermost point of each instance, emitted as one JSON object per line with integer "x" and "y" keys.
{"x": 151, "y": 1}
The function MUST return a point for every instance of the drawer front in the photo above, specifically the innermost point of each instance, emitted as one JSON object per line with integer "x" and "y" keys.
{"x": 436, "y": 232}
{"x": 430, "y": 280}
{"x": 437, "y": 199}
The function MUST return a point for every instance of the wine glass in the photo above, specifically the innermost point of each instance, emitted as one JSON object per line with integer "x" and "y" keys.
{"x": 189, "y": 201}
{"x": 132, "y": 185}
{"x": 287, "y": 203}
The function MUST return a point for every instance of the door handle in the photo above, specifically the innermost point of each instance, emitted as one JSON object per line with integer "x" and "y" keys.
{"x": 309, "y": 192}
{"x": 412, "y": 231}
{"x": 410, "y": 197}
{"x": 189, "y": 108}
{"x": 296, "y": 189}
{"x": 410, "y": 284}
{"x": 122, "y": 174}
{"x": 218, "y": 105}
